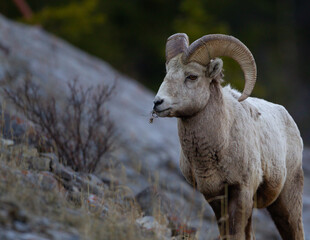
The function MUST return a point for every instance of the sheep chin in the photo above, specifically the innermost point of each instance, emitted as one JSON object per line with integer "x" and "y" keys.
{"x": 162, "y": 113}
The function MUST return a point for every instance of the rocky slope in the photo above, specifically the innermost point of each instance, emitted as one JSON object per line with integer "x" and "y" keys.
{"x": 41, "y": 199}
{"x": 147, "y": 154}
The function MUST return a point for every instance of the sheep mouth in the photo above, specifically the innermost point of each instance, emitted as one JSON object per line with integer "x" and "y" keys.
{"x": 156, "y": 111}
{"x": 162, "y": 113}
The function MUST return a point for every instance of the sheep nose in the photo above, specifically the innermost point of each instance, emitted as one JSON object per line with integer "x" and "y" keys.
{"x": 157, "y": 102}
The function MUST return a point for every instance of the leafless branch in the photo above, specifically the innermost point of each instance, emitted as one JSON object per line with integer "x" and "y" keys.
{"x": 80, "y": 130}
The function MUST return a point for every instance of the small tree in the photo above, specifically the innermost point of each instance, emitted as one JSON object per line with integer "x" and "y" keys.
{"x": 78, "y": 127}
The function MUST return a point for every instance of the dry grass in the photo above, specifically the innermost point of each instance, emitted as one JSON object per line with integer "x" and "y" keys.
{"x": 16, "y": 187}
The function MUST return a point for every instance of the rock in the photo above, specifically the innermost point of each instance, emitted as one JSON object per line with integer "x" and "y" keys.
{"x": 52, "y": 156}
{"x": 7, "y": 142}
{"x": 21, "y": 227}
{"x": 25, "y": 151}
{"x": 13, "y": 127}
{"x": 39, "y": 163}
{"x": 150, "y": 224}
{"x": 48, "y": 182}
{"x": 110, "y": 180}
{"x": 154, "y": 203}
{"x": 54, "y": 234}
{"x": 90, "y": 185}
{"x": 12, "y": 235}
{"x": 96, "y": 204}
{"x": 3, "y": 217}
{"x": 54, "y": 164}
{"x": 11, "y": 212}
{"x": 94, "y": 180}
{"x": 40, "y": 224}
{"x": 65, "y": 173}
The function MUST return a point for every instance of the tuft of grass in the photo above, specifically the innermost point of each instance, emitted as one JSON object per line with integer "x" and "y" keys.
{"x": 112, "y": 217}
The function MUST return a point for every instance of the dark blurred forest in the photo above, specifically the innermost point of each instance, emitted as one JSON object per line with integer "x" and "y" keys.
{"x": 131, "y": 36}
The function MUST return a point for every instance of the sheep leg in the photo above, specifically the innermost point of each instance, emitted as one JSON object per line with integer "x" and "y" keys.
{"x": 249, "y": 233}
{"x": 237, "y": 224}
{"x": 240, "y": 207}
{"x": 217, "y": 206}
{"x": 286, "y": 211}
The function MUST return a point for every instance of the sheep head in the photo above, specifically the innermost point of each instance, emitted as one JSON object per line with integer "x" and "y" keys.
{"x": 191, "y": 69}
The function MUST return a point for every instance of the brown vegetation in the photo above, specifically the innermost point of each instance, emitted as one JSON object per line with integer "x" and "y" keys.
{"x": 78, "y": 128}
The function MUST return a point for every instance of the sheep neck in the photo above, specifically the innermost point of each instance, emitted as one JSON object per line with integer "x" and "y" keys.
{"x": 204, "y": 135}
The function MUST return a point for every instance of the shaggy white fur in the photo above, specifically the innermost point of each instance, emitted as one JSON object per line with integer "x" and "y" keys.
{"x": 252, "y": 150}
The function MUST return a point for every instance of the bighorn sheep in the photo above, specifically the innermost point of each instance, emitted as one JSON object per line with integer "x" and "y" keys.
{"x": 246, "y": 149}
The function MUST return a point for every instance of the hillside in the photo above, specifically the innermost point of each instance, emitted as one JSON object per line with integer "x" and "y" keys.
{"x": 143, "y": 164}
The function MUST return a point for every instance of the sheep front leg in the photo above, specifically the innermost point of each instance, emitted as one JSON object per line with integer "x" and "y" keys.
{"x": 240, "y": 207}
{"x": 234, "y": 219}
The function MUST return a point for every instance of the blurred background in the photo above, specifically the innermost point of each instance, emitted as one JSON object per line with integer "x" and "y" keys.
{"x": 131, "y": 36}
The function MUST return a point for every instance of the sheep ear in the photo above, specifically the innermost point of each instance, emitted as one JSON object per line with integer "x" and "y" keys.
{"x": 215, "y": 68}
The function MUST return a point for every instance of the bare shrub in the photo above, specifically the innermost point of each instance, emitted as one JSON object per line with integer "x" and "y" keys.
{"x": 78, "y": 127}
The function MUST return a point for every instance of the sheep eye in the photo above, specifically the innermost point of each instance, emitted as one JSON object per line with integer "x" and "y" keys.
{"x": 191, "y": 77}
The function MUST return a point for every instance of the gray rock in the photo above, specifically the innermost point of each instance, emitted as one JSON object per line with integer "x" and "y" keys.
{"x": 65, "y": 173}
{"x": 7, "y": 142}
{"x": 54, "y": 234}
{"x": 89, "y": 185}
{"x": 151, "y": 201}
{"x": 21, "y": 227}
{"x": 42, "y": 222}
{"x": 149, "y": 223}
{"x": 154, "y": 203}
{"x": 14, "y": 127}
{"x": 39, "y": 163}
{"x": 48, "y": 182}
{"x": 12, "y": 212}
{"x": 12, "y": 235}
{"x": 52, "y": 156}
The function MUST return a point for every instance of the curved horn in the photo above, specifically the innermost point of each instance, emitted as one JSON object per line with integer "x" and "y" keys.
{"x": 176, "y": 44}
{"x": 216, "y": 45}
